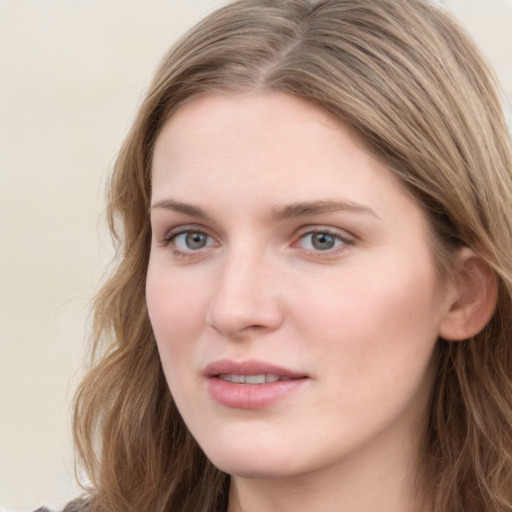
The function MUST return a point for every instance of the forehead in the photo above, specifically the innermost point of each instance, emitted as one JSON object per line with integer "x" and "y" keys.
{"x": 275, "y": 147}
{"x": 272, "y": 120}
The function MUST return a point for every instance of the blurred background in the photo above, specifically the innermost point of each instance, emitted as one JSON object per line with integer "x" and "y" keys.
{"x": 72, "y": 73}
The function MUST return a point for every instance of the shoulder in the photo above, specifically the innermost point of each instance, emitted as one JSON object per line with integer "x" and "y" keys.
{"x": 77, "y": 506}
{"x": 74, "y": 506}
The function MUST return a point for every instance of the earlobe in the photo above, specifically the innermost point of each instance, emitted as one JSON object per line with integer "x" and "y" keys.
{"x": 475, "y": 294}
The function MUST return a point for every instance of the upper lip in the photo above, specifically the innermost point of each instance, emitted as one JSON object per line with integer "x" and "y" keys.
{"x": 250, "y": 367}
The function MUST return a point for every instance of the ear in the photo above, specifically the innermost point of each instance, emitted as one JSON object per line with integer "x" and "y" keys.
{"x": 473, "y": 298}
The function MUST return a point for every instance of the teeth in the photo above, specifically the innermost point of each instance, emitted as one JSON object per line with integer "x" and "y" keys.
{"x": 261, "y": 378}
{"x": 255, "y": 379}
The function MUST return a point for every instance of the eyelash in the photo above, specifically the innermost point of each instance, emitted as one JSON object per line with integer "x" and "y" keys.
{"x": 343, "y": 242}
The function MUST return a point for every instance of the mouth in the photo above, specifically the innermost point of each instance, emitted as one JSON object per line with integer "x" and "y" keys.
{"x": 251, "y": 384}
{"x": 261, "y": 378}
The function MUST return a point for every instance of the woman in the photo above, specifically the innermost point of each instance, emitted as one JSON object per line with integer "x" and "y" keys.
{"x": 312, "y": 305}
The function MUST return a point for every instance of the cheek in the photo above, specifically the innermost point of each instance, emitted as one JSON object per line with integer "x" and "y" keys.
{"x": 374, "y": 341}
{"x": 175, "y": 312}
{"x": 382, "y": 320}
{"x": 176, "y": 308}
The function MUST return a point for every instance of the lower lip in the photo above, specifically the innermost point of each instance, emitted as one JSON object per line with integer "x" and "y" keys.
{"x": 251, "y": 396}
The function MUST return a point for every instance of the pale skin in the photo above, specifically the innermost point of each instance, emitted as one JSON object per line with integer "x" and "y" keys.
{"x": 277, "y": 238}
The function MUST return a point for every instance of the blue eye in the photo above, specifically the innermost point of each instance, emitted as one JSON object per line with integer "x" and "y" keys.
{"x": 191, "y": 241}
{"x": 321, "y": 241}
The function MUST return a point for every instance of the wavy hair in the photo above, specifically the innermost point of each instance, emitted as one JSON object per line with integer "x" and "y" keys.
{"x": 409, "y": 82}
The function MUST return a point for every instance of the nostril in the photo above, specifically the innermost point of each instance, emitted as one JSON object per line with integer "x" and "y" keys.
{"x": 243, "y": 319}
{"x": 243, "y": 300}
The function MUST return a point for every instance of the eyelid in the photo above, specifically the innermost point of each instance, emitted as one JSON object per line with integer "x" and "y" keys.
{"x": 184, "y": 228}
{"x": 343, "y": 234}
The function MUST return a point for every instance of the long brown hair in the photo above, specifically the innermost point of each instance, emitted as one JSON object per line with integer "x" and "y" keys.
{"x": 404, "y": 77}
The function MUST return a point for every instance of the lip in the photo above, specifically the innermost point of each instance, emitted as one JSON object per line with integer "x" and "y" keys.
{"x": 250, "y": 367}
{"x": 251, "y": 396}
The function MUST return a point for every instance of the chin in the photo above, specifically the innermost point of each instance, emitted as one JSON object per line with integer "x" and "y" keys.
{"x": 257, "y": 462}
{"x": 256, "y": 470}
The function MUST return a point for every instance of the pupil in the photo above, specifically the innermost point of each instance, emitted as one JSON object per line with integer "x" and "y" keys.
{"x": 323, "y": 241}
{"x": 196, "y": 240}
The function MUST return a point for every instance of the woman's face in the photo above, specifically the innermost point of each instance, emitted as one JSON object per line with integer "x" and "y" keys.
{"x": 291, "y": 288}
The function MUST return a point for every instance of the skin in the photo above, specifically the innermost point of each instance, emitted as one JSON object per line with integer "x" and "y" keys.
{"x": 359, "y": 320}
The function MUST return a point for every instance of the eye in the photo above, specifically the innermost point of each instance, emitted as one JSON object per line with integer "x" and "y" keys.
{"x": 323, "y": 240}
{"x": 185, "y": 241}
{"x": 320, "y": 241}
{"x": 191, "y": 240}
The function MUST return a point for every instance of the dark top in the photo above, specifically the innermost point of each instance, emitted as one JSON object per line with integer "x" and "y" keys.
{"x": 75, "y": 506}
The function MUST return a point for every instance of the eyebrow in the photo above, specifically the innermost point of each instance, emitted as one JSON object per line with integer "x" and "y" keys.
{"x": 280, "y": 213}
{"x": 177, "y": 206}
{"x": 304, "y": 209}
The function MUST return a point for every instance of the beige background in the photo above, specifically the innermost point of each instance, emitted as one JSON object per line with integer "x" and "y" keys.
{"x": 71, "y": 76}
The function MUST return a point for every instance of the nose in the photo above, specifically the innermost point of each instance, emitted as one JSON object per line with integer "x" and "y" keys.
{"x": 245, "y": 297}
